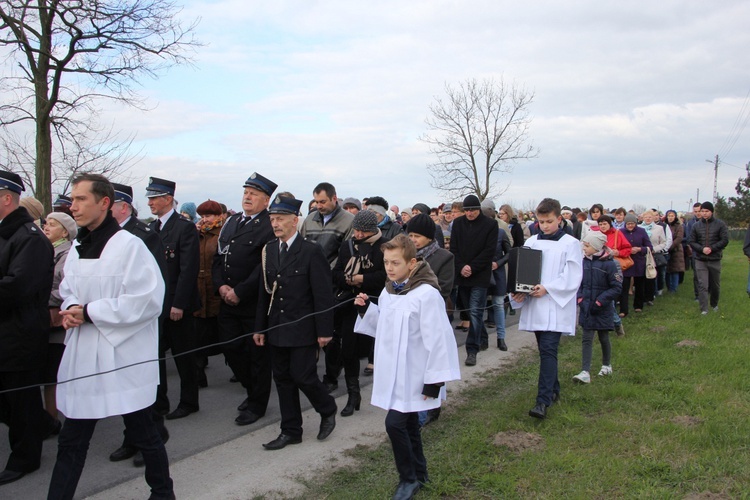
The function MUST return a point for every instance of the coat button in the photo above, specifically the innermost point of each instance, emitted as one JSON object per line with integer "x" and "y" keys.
{"x": 278, "y": 276}
{"x": 281, "y": 299}
{"x": 282, "y": 311}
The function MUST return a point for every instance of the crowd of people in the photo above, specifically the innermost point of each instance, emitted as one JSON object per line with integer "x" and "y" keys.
{"x": 90, "y": 288}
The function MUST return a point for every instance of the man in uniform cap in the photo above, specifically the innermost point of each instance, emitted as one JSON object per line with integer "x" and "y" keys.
{"x": 295, "y": 317}
{"x": 127, "y": 217}
{"x": 236, "y": 275}
{"x": 182, "y": 252}
{"x": 26, "y": 270}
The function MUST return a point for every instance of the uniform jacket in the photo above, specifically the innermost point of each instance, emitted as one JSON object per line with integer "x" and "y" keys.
{"x": 26, "y": 269}
{"x": 123, "y": 292}
{"x": 300, "y": 287}
{"x": 151, "y": 239}
{"x": 330, "y": 236}
{"x": 602, "y": 282}
{"x": 473, "y": 243}
{"x": 237, "y": 262}
{"x": 709, "y": 233}
{"x": 179, "y": 238}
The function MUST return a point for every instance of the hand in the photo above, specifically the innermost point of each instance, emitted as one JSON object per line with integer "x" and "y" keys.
{"x": 73, "y": 317}
{"x": 615, "y": 252}
{"x": 323, "y": 341}
{"x": 707, "y": 251}
{"x": 362, "y": 299}
{"x": 539, "y": 291}
{"x": 259, "y": 339}
{"x": 580, "y": 299}
{"x": 518, "y": 297}
{"x": 466, "y": 271}
{"x": 356, "y": 280}
{"x": 231, "y": 298}
{"x": 494, "y": 266}
{"x": 175, "y": 314}
{"x": 223, "y": 289}
{"x": 635, "y": 249}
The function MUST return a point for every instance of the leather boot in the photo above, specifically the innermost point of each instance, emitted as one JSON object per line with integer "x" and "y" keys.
{"x": 352, "y": 387}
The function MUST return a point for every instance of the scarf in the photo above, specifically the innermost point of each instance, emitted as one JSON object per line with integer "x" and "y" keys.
{"x": 648, "y": 228}
{"x": 385, "y": 221}
{"x": 205, "y": 227}
{"x": 357, "y": 262}
{"x": 425, "y": 252}
{"x": 554, "y": 236}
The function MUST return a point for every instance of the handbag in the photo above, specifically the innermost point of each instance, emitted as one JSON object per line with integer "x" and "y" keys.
{"x": 660, "y": 259}
{"x": 625, "y": 262}
{"x": 650, "y": 265}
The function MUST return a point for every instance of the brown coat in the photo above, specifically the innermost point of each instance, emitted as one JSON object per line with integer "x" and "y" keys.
{"x": 210, "y": 300}
{"x": 676, "y": 262}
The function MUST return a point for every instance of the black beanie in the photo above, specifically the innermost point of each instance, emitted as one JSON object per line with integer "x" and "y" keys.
{"x": 421, "y": 224}
{"x": 472, "y": 201}
{"x": 707, "y": 205}
{"x": 422, "y": 208}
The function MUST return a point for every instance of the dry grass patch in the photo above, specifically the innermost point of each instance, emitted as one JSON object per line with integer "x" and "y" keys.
{"x": 686, "y": 420}
{"x": 688, "y": 343}
{"x": 519, "y": 441}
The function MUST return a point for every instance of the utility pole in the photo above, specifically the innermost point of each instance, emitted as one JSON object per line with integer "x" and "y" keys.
{"x": 716, "y": 177}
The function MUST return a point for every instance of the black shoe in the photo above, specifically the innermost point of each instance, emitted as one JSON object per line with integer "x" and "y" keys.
{"x": 247, "y": 417}
{"x": 368, "y": 370}
{"x": 282, "y": 441}
{"x": 355, "y": 398}
{"x": 244, "y": 405}
{"x": 539, "y": 411}
{"x": 502, "y": 345}
{"x": 180, "y": 412}
{"x": 327, "y": 424}
{"x": 8, "y": 476}
{"x": 123, "y": 453}
{"x": 233, "y": 379}
{"x": 471, "y": 359}
{"x": 406, "y": 490}
{"x": 432, "y": 415}
{"x": 138, "y": 460}
{"x": 331, "y": 386}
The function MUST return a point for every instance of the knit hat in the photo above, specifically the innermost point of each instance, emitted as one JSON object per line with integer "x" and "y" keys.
{"x": 352, "y": 201}
{"x": 596, "y": 239}
{"x": 487, "y": 203}
{"x": 209, "y": 207}
{"x": 33, "y": 206}
{"x": 707, "y": 205}
{"x": 65, "y": 221}
{"x": 631, "y": 218}
{"x": 422, "y": 208}
{"x": 376, "y": 209}
{"x": 421, "y": 224}
{"x": 365, "y": 221}
{"x": 472, "y": 202}
{"x": 189, "y": 208}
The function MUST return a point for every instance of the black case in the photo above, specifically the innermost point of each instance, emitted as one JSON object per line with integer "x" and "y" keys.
{"x": 524, "y": 269}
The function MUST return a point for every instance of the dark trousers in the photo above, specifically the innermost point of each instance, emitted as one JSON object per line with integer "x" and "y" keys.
{"x": 709, "y": 282}
{"x": 547, "y": 342}
{"x": 250, "y": 363}
{"x": 295, "y": 369}
{"x": 22, "y": 412}
{"x": 475, "y": 299}
{"x": 334, "y": 361}
{"x": 179, "y": 336}
{"x": 638, "y": 292}
{"x": 588, "y": 347}
{"x": 73, "y": 445}
{"x": 406, "y": 441}
{"x": 350, "y": 343}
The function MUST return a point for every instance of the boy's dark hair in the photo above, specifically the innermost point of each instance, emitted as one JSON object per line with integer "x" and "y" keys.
{"x": 403, "y": 243}
{"x": 696, "y": 204}
{"x": 549, "y": 206}
{"x": 605, "y": 218}
{"x": 621, "y": 210}
{"x": 100, "y": 186}
{"x": 327, "y": 187}
{"x": 581, "y": 216}
{"x": 377, "y": 200}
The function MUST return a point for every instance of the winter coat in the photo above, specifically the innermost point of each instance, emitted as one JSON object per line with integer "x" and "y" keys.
{"x": 210, "y": 301}
{"x": 709, "y": 233}
{"x": 676, "y": 262}
{"x": 637, "y": 238}
{"x": 617, "y": 241}
{"x": 331, "y": 235}
{"x": 26, "y": 270}
{"x": 473, "y": 243}
{"x": 516, "y": 232}
{"x": 600, "y": 286}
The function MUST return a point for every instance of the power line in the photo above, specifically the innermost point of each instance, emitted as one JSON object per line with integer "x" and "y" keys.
{"x": 743, "y": 117}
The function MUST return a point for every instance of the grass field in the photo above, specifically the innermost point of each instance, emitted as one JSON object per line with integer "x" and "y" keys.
{"x": 672, "y": 422}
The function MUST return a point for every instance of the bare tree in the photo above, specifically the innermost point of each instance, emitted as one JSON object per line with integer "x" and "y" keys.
{"x": 478, "y": 131}
{"x": 63, "y": 55}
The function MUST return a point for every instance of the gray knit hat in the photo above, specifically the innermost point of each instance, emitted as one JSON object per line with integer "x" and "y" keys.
{"x": 365, "y": 221}
{"x": 631, "y": 218}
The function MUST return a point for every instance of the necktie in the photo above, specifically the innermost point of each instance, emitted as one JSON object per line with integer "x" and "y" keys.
{"x": 243, "y": 221}
{"x": 158, "y": 225}
{"x": 397, "y": 287}
{"x": 283, "y": 252}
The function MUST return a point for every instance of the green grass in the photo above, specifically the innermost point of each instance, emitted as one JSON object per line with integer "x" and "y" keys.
{"x": 671, "y": 422}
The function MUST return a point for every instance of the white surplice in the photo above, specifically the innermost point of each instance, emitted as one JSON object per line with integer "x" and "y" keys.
{"x": 124, "y": 292}
{"x": 562, "y": 270}
{"x": 414, "y": 345}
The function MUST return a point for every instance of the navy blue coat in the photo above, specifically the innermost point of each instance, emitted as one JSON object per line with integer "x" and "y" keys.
{"x": 602, "y": 282}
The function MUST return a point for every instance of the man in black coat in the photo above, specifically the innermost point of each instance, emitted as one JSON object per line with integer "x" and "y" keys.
{"x": 179, "y": 238}
{"x": 26, "y": 270}
{"x": 473, "y": 243}
{"x": 236, "y": 275}
{"x": 295, "y": 315}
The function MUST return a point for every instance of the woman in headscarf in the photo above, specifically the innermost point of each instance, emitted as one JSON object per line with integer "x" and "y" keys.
{"x": 190, "y": 212}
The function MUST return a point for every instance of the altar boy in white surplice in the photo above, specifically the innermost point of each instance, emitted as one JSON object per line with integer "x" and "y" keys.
{"x": 415, "y": 354}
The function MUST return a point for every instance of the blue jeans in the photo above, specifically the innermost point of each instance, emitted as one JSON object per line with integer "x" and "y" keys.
{"x": 673, "y": 280}
{"x": 547, "y": 342}
{"x": 498, "y": 309}
{"x": 475, "y": 299}
{"x": 616, "y": 316}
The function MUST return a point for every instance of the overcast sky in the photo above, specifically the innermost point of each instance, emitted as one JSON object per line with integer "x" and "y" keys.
{"x": 631, "y": 98}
